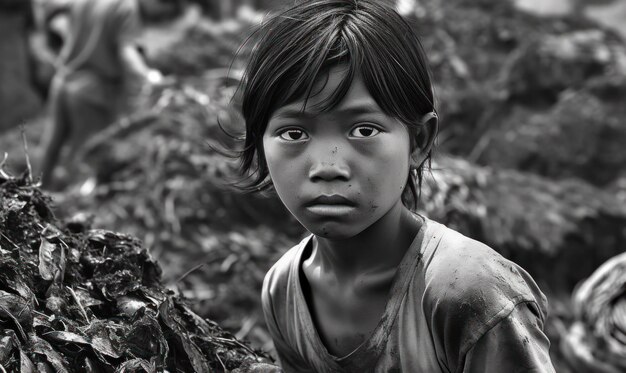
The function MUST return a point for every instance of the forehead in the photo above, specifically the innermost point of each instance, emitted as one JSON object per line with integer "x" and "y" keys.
{"x": 356, "y": 100}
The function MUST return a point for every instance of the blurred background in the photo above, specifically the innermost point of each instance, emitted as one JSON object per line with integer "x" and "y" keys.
{"x": 530, "y": 156}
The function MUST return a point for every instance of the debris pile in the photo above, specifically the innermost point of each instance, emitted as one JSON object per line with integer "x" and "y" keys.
{"x": 76, "y": 299}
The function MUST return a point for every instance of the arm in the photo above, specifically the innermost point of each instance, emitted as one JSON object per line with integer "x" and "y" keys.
{"x": 135, "y": 63}
{"x": 129, "y": 29}
{"x": 515, "y": 344}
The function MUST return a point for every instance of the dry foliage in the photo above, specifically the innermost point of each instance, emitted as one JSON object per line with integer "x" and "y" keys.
{"x": 75, "y": 299}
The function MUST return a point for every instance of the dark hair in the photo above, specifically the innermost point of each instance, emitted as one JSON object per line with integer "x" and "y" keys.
{"x": 294, "y": 48}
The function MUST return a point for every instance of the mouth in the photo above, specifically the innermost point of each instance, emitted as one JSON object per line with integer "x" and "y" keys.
{"x": 333, "y": 205}
{"x": 334, "y": 199}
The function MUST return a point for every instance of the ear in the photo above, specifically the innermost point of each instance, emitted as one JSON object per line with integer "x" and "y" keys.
{"x": 425, "y": 139}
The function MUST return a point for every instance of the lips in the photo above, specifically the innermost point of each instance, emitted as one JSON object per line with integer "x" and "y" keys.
{"x": 332, "y": 200}
{"x": 333, "y": 206}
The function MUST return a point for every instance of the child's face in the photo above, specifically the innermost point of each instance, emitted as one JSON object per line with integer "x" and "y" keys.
{"x": 339, "y": 171}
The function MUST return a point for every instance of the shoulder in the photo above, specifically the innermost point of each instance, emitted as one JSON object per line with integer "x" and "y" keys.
{"x": 470, "y": 288}
{"x": 280, "y": 275}
{"x": 468, "y": 272}
{"x": 280, "y": 299}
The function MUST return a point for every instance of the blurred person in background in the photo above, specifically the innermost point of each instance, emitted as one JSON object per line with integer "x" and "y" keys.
{"x": 99, "y": 59}
{"x": 50, "y": 31}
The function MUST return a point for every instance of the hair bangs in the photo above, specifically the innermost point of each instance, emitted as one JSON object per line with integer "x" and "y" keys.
{"x": 308, "y": 76}
{"x": 295, "y": 51}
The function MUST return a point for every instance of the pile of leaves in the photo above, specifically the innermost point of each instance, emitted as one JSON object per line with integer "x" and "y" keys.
{"x": 596, "y": 341}
{"x": 76, "y": 299}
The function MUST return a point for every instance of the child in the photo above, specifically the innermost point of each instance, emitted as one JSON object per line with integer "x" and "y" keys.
{"x": 340, "y": 121}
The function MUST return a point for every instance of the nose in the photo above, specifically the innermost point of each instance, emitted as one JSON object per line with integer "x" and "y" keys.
{"x": 329, "y": 165}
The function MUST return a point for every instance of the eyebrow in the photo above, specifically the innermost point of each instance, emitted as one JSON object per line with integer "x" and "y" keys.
{"x": 358, "y": 109}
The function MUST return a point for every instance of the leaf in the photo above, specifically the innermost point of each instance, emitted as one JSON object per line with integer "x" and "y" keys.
{"x": 116, "y": 284}
{"x": 8, "y": 343}
{"x": 26, "y": 365}
{"x": 44, "y": 350}
{"x": 86, "y": 299}
{"x": 129, "y": 305}
{"x": 136, "y": 366}
{"x": 11, "y": 278}
{"x": 169, "y": 316}
{"x": 57, "y": 299}
{"x": 90, "y": 366}
{"x": 18, "y": 310}
{"x": 47, "y": 268}
{"x": 44, "y": 367}
{"x": 65, "y": 337}
{"x": 100, "y": 345}
{"x": 198, "y": 321}
{"x": 146, "y": 340}
{"x": 51, "y": 265}
{"x": 106, "y": 337}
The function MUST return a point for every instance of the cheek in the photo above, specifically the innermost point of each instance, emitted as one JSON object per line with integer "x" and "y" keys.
{"x": 272, "y": 159}
{"x": 388, "y": 172}
{"x": 283, "y": 168}
{"x": 395, "y": 171}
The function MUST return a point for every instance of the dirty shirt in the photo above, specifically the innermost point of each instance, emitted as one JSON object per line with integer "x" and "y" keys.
{"x": 455, "y": 305}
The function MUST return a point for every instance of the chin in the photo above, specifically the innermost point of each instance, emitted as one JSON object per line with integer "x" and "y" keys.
{"x": 333, "y": 231}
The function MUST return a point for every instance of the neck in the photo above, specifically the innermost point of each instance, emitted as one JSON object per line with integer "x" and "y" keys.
{"x": 381, "y": 246}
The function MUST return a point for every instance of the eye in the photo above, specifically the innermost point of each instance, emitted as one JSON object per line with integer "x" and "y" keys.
{"x": 364, "y": 131}
{"x": 293, "y": 135}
